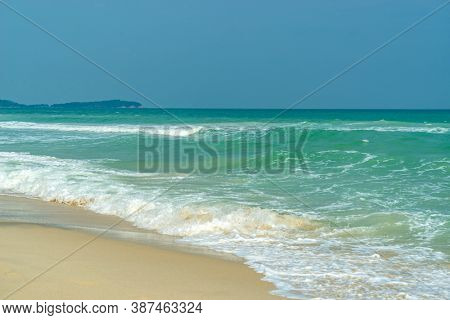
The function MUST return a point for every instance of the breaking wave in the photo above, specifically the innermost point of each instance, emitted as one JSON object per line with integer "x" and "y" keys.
{"x": 174, "y": 131}
{"x": 77, "y": 183}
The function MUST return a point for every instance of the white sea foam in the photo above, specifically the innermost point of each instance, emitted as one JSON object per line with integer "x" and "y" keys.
{"x": 175, "y": 131}
{"x": 379, "y": 126}
{"x": 77, "y": 182}
{"x": 188, "y": 130}
{"x": 437, "y": 130}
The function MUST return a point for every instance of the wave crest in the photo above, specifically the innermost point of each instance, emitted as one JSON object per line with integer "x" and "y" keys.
{"x": 174, "y": 131}
{"x": 78, "y": 183}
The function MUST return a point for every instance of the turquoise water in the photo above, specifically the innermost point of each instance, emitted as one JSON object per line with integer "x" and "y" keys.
{"x": 369, "y": 218}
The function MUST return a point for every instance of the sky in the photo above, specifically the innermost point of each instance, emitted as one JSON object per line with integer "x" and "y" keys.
{"x": 227, "y": 54}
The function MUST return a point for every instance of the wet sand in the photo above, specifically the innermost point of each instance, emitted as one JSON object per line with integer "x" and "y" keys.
{"x": 114, "y": 266}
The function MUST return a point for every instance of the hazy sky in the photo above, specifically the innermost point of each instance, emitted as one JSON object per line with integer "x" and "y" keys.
{"x": 208, "y": 53}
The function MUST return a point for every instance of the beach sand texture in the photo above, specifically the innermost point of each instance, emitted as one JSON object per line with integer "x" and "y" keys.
{"x": 111, "y": 268}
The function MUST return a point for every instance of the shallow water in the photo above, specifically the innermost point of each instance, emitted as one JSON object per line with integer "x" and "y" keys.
{"x": 368, "y": 218}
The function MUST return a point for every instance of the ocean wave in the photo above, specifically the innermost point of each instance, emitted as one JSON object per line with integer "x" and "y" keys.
{"x": 228, "y": 128}
{"x": 435, "y": 130}
{"x": 78, "y": 183}
{"x": 377, "y": 126}
{"x": 174, "y": 131}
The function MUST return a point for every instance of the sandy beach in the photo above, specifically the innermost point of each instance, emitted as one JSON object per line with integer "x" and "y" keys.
{"x": 109, "y": 267}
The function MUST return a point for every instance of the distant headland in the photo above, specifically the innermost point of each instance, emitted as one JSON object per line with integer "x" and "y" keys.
{"x": 91, "y": 104}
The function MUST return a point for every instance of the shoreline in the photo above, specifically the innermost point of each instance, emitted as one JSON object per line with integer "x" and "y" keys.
{"x": 112, "y": 266}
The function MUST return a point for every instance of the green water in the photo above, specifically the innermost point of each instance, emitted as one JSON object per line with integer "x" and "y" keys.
{"x": 364, "y": 215}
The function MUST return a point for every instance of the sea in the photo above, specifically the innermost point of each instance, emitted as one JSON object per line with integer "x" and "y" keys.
{"x": 325, "y": 204}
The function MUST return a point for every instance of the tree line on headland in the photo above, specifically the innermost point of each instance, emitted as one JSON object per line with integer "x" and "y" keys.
{"x": 93, "y": 104}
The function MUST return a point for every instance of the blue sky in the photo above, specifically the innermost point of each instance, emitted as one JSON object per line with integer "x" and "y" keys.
{"x": 211, "y": 54}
